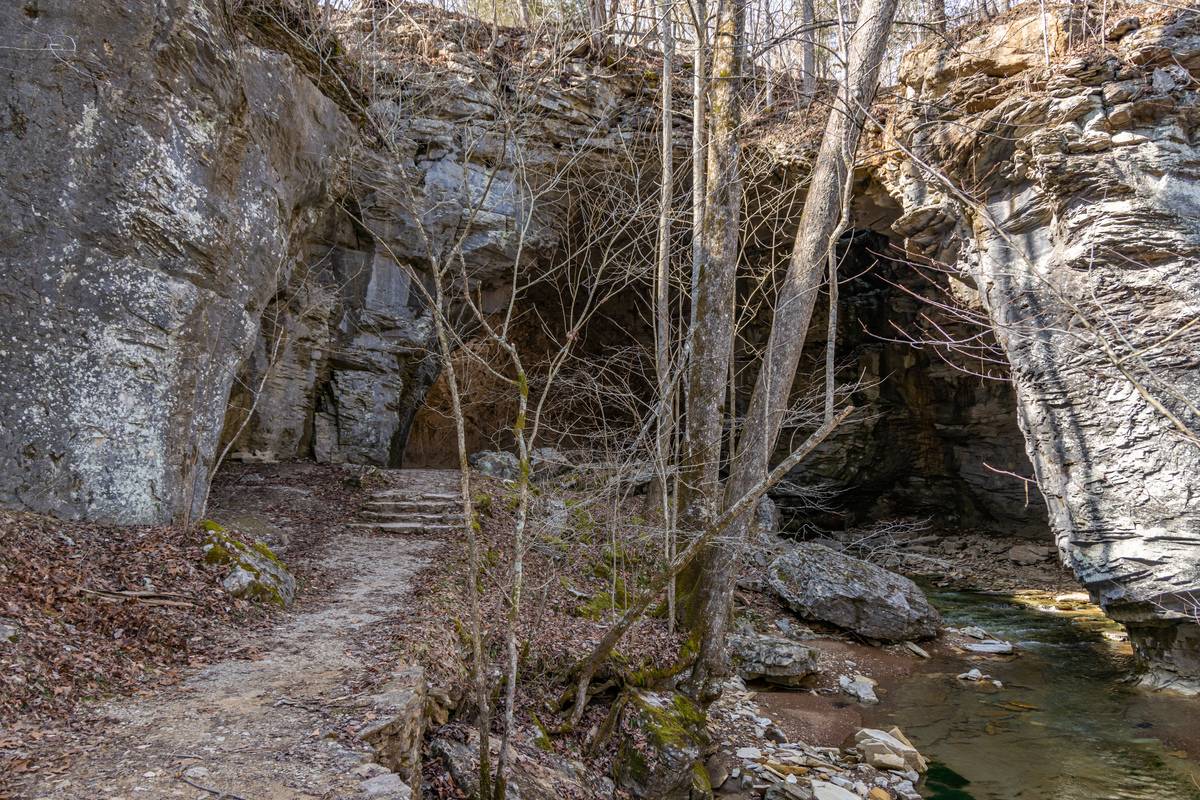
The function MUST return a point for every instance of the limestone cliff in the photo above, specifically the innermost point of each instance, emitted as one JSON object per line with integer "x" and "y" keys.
{"x": 1069, "y": 198}
{"x": 159, "y": 178}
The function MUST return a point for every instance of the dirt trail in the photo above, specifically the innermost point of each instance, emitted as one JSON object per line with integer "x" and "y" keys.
{"x": 260, "y": 729}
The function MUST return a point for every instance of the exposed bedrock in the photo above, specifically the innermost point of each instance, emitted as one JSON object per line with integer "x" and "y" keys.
{"x": 1084, "y": 249}
{"x": 157, "y": 175}
{"x": 203, "y": 251}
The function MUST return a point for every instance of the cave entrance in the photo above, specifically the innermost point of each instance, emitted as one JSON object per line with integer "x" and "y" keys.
{"x": 939, "y": 438}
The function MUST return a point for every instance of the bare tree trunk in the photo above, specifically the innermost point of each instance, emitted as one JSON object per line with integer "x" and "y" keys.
{"x": 815, "y": 239}
{"x": 585, "y": 668}
{"x": 712, "y": 333}
{"x": 659, "y": 496}
{"x": 808, "y": 49}
{"x": 699, "y": 90}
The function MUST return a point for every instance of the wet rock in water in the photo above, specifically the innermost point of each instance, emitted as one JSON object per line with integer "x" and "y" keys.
{"x": 971, "y": 675}
{"x": 772, "y": 658}
{"x": 496, "y": 464}
{"x": 859, "y": 687}
{"x": 398, "y": 729}
{"x": 663, "y": 737}
{"x": 889, "y": 750}
{"x": 817, "y": 583}
{"x": 255, "y": 572}
{"x": 989, "y": 647}
{"x": 386, "y": 787}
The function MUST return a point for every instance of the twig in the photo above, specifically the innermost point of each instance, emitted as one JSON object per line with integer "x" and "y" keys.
{"x": 220, "y": 795}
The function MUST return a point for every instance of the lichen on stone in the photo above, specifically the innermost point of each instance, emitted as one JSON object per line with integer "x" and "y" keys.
{"x": 256, "y": 573}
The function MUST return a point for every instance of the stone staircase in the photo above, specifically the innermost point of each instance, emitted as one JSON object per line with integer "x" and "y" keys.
{"x": 425, "y": 501}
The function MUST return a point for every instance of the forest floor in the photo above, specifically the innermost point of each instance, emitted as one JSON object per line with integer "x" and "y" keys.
{"x": 275, "y": 718}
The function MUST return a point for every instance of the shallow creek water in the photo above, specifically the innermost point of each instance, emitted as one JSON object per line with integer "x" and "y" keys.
{"x": 1066, "y": 725}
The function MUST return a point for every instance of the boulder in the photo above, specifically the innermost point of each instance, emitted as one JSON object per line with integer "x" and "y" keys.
{"x": 818, "y": 584}
{"x": 496, "y": 464}
{"x": 397, "y": 729}
{"x": 388, "y": 786}
{"x": 662, "y": 743}
{"x": 772, "y": 658}
{"x": 1029, "y": 554}
{"x": 888, "y": 750}
{"x": 255, "y": 572}
{"x": 860, "y": 688}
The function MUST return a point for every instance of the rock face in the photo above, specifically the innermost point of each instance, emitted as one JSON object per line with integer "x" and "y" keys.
{"x": 820, "y": 584}
{"x": 1084, "y": 251}
{"x": 201, "y": 249}
{"x": 158, "y": 176}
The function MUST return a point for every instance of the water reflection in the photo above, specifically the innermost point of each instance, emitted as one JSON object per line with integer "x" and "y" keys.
{"x": 1066, "y": 725}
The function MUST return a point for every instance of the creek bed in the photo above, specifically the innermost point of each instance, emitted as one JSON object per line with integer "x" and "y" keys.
{"x": 1066, "y": 726}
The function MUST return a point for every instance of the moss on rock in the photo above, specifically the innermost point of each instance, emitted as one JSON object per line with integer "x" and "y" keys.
{"x": 256, "y": 573}
{"x": 663, "y": 741}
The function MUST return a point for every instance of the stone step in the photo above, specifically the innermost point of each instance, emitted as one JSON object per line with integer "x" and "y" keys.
{"x": 412, "y": 505}
{"x": 389, "y": 515}
{"x": 409, "y": 494}
{"x": 407, "y": 527}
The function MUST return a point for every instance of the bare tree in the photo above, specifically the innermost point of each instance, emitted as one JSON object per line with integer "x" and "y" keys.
{"x": 819, "y": 224}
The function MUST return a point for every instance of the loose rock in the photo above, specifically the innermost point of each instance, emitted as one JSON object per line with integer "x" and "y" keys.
{"x": 772, "y": 658}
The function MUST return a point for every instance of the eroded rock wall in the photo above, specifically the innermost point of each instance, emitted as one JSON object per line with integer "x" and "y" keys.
{"x": 1070, "y": 197}
{"x": 158, "y": 176}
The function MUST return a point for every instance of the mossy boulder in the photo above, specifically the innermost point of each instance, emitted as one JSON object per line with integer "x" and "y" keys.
{"x": 255, "y": 572}
{"x": 663, "y": 743}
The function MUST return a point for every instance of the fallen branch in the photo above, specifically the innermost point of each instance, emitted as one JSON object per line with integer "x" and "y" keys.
{"x": 146, "y": 598}
{"x": 586, "y": 667}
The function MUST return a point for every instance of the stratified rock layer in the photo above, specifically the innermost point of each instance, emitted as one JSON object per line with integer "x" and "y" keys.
{"x": 1081, "y": 234}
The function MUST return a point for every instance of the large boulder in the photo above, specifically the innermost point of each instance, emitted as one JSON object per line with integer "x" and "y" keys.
{"x": 823, "y": 585}
{"x": 397, "y": 727}
{"x": 662, "y": 743}
{"x": 255, "y": 573}
{"x": 496, "y": 464}
{"x": 772, "y": 658}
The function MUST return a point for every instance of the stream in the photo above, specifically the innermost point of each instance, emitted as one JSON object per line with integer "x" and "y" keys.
{"x": 1066, "y": 726}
